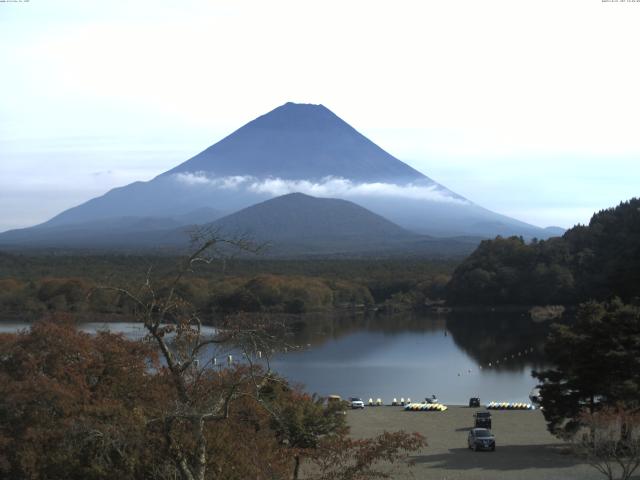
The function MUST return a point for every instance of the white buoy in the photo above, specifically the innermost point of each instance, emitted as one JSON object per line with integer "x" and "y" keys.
{"x": 402, "y": 401}
{"x": 371, "y": 402}
{"x": 229, "y": 359}
{"x": 408, "y": 400}
{"x": 395, "y": 402}
{"x": 378, "y": 402}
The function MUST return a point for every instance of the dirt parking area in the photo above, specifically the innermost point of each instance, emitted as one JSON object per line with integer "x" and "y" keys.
{"x": 524, "y": 448}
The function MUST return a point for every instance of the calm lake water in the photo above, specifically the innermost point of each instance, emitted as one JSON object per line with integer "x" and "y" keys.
{"x": 384, "y": 356}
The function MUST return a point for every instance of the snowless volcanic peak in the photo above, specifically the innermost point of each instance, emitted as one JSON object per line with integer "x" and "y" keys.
{"x": 294, "y": 148}
{"x": 300, "y": 141}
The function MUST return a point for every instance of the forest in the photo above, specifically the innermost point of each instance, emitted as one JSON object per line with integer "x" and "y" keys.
{"x": 33, "y": 285}
{"x": 103, "y": 406}
{"x": 596, "y": 261}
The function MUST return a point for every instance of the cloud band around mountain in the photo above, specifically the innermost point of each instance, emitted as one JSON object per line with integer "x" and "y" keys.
{"x": 327, "y": 187}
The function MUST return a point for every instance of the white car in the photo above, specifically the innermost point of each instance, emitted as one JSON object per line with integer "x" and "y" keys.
{"x": 356, "y": 402}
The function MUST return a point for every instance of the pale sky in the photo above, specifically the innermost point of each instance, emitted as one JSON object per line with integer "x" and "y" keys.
{"x": 529, "y": 108}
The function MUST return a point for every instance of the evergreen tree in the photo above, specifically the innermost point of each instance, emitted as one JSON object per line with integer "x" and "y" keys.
{"x": 596, "y": 364}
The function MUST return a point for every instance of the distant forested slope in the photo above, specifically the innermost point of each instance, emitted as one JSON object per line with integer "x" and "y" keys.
{"x": 37, "y": 285}
{"x": 597, "y": 261}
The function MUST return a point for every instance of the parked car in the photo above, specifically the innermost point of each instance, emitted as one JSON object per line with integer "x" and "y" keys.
{"x": 481, "y": 439}
{"x": 482, "y": 420}
{"x": 474, "y": 402}
{"x": 356, "y": 402}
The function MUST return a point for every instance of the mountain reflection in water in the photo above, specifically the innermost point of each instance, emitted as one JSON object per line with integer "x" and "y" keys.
{"x": 455, "y": 356}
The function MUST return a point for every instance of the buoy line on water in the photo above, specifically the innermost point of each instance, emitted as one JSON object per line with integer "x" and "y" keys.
{"x": 496, "y": 363}
{"x": 425, "y": 407}
{"x": 510, "y": 406}
{"x": 506, "y": 358}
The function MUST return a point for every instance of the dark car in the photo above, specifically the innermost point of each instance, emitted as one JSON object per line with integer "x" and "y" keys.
{"x": 482, "y": 420}
{"x": 474, "y": 402}
{"x": 481, "y": 439}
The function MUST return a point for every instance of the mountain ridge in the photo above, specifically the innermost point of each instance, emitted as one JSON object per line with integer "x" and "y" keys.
{"x": 292, "y": 225}
{"x": 298, "y": 148}
{"x": 294, "y": 135}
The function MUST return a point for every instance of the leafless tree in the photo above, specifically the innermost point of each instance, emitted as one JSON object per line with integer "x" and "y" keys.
{"x": 203, "y": 394}
{"x": 610, "y": 441}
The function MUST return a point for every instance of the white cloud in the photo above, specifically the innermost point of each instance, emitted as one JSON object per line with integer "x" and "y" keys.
{"x": 477, "y": 87}
{"x": 327, "y": 187}
{"x": 225, "y": 183}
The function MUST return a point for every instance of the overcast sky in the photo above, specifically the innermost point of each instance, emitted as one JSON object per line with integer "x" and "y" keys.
{"x": 529, "y": 108}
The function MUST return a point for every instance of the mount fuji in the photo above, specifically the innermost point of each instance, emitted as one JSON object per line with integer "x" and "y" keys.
{"x": 294, "y": 148}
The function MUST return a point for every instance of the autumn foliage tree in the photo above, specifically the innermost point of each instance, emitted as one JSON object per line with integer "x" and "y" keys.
{"x": 80, "y": 406}
{"x": 70, "y": 403}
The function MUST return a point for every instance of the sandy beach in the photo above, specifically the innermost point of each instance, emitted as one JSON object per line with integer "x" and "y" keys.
{"x": 525, "y": 450}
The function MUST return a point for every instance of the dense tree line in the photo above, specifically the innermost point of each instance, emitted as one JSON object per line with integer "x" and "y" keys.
{"x": 32, "y": 285}
{"x": 264, "y": 293}
{"x": 120, "y": 266}
{"x": 597, "y": 261}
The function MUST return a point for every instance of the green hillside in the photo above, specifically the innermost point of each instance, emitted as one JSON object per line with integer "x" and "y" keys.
{"x": 597, "y": 261}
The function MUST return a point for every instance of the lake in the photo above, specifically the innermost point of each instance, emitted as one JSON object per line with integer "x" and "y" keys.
{"x": 452, "y": 356}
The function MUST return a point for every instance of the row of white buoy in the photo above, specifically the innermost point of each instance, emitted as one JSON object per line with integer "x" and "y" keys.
{"x": 408, "y": 405}
{"x": 395, "y": 403}
{"x": 425, "y": 407}
{"x": 510, "y": 406}
{"x": 258, "y": 355}
{"x": 497, "y": 362}
{"x": 510, "y": 357}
